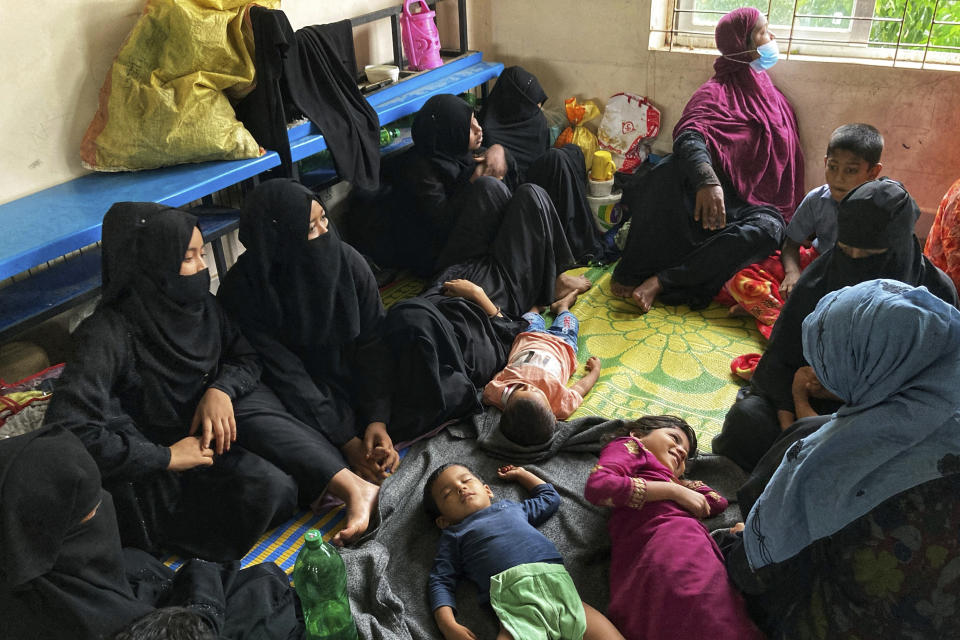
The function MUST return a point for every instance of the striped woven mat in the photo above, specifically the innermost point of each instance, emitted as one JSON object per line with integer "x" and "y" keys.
{"x": 671, "y": 360}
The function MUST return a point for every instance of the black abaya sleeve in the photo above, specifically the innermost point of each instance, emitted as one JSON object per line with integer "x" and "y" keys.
{"x": 513, "y": 177}
{"x": 784, "y": 353}
{"x": 429, "y": 192}
{"x": 239, "y": 364}
{"x": 693, "y": 155}
{"x": 372, "y": 361}
{"x": 85, "y": 401}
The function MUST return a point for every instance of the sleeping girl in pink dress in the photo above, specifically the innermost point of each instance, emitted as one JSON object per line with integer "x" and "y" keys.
{"x": 667, "y": 576}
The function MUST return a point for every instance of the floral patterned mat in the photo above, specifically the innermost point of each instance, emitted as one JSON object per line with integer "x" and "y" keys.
{"x": 671, "y": 360}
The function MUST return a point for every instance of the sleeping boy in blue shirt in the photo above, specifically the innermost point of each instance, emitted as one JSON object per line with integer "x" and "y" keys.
{"x": 515, "y": 567}
{"x": 853, "y": 157}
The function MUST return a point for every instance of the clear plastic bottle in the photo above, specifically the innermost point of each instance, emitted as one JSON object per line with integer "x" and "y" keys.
{"x": 321, "y": 583}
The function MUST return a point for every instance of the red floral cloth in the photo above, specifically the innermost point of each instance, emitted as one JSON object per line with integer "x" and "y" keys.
{"x": 943, "y": 241}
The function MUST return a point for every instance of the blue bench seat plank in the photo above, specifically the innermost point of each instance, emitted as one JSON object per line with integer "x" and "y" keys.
{"x": 30, "y": 301}
{"x": 405, "y": 97}
{"x": 56, "y": 221}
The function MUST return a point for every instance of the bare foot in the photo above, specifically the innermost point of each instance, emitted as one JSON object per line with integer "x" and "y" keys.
{"x": 360, "y": 497}
{"x": 621, "y": 290}
{"x": 567, "y": 283}
{"x": 646, "y": 293}
{"x": 564, "y": 303}
{"x": 737, "y": 310}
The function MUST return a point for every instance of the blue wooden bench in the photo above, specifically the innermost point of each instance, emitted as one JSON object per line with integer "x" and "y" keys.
{"x": 66, "y": 218}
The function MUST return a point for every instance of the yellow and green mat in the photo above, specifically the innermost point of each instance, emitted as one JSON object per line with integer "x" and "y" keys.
{"x": 671, "y": 360}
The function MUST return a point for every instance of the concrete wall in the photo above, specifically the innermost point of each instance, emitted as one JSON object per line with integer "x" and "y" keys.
{"x": 596, "y": 49}
{"x": 56, "y": 55}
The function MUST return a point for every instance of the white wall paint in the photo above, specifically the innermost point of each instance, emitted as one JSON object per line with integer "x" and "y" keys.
{"x": 56, "y": 54}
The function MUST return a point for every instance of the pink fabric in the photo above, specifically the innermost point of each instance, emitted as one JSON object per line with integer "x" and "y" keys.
{"x": 748, "y": 124}
{"x": 543, "y": 361}
{"x": 667, "y": 577}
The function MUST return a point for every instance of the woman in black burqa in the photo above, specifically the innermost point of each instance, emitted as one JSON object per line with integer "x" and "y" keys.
{"x": 435, "y": 195}
{"x": 310, "y": 306}
{"x": 512, "y": 117}
{"x": 164, "y": 391}
{"x": 63, "y": 573}
{"x": 875, "y": 239}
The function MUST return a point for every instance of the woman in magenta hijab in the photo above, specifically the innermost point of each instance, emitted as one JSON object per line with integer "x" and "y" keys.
{"x": 720, "y": 201}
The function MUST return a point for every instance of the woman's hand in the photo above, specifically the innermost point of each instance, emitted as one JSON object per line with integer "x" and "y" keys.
{"x": 710, "y": 210}
{"x": 189, "y": 453}
{"x": 693, "y": 501}
{"x": 492, "y": 163}
{"x": 380, "y": 454}
{"x": 215, "y": 415}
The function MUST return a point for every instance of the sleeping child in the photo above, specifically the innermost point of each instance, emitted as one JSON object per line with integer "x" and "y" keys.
{"x": 515, "y": 567}
{"x": 531, "y": 390}
{"x": 667, "y": 575}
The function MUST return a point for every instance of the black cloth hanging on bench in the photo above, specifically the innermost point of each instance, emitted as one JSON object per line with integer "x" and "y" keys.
{"x": 311, "y": 73}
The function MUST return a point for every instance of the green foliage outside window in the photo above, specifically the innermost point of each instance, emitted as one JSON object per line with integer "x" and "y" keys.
{"x": 916, "y": 27}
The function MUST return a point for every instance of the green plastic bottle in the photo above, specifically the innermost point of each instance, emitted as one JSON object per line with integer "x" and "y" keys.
{"x": 321, "y": 583}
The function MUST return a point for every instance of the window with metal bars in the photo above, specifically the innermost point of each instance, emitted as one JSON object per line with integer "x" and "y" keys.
{"x": 903, "y": 33}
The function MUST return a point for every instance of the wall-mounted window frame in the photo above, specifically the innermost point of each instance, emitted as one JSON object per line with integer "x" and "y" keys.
{"x": 846, "y": 29}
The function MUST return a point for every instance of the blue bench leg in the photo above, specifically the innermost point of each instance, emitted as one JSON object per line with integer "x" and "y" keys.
{"x": 219, "y": 258}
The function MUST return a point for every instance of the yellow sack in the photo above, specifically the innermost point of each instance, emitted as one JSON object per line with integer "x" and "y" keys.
{"x": 576, "y": 133}
{"x": 165, "y": 100}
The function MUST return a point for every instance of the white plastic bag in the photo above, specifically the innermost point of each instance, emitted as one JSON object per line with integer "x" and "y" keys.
{"x": 629, "y": 121}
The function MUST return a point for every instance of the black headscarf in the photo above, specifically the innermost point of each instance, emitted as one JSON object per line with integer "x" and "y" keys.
{"x": 62, "y": 578}
{"x": 35, "y": 516}
{"x": 877, "y": 214}
{"x": 512, "y": 116}
{"x": 284, "y": 284}
{"x": 65, "y": 577}
{"x": 441, "y": 133}
{"x": 174, "y": 317}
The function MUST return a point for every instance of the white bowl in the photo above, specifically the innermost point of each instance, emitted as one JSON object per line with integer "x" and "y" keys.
{"x": 378, "y": 72}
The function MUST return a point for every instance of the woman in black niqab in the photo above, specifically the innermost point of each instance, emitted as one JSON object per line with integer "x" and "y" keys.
{"x": 436, "y": 196}
{"x": 310, "y": 306}
{"x": 154, "y": 389}
{"x": 63, "y": 573}
{"x": 512, "y": 116}
{"x": 875, "y": 239}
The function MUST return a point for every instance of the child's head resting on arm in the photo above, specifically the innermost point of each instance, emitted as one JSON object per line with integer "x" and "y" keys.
{"x": 452, "y": 493}
{"x": 527, "y": 417}
{"x": 670, "y": 439}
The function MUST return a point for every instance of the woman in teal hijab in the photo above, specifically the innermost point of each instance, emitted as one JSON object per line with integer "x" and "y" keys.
{"x": 857, "y": 530}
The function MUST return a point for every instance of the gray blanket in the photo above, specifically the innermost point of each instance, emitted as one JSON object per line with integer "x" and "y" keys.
{"x": 387, "y": 572}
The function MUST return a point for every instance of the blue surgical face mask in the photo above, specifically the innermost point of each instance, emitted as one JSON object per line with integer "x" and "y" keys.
{"x": 769, "y": 54}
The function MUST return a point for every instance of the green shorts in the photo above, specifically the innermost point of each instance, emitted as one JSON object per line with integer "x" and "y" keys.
{"x": 538, "y": 601}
